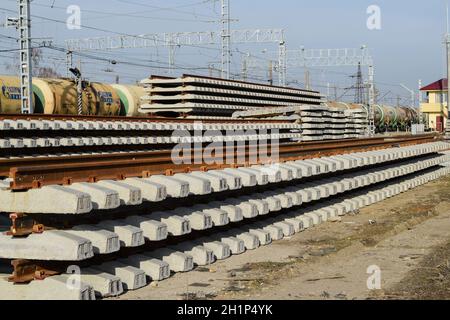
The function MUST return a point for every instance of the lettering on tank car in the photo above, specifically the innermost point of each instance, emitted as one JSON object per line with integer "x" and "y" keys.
{"x": 106, "y": 97}
{"x": 12, "y": 93}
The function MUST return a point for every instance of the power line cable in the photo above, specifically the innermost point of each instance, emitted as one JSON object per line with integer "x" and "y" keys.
{"x": 113, "y": 32}
{"x": 135, "y": 14}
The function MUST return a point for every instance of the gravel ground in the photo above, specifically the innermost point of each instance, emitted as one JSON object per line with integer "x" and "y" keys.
{"x": 406, "y": 238}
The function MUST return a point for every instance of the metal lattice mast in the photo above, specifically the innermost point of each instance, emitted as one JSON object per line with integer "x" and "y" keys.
{"x": 226, "y": 39}
{"x": 69, "y": 62}
{"x": 359, "y": 87}
{"x": 307, "y": 58}
{"x": 244, "y": 67}
{"x": 447, "y": 44}
{"x": 371, "y": 102}
{"x": 282, "y": 67}
{"x": 26, "y": 81}
{"x": 178, "y": 39}
{"x": 157, "y": 40}
{"x": 420, "y": 102}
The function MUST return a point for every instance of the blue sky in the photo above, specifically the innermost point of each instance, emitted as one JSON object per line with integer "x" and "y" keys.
{"x": 407, "y": 48}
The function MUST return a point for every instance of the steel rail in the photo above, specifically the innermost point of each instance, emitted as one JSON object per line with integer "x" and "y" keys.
{"x": 313, "y": 147}
{"x": 37, "y": 172}
{"x": 149, "y": 118}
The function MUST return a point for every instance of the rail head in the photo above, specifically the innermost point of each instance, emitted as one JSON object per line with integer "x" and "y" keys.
{"x": 64, "y": 170}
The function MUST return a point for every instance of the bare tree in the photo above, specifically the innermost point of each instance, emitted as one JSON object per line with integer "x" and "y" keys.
{"x": 37, "y": 57}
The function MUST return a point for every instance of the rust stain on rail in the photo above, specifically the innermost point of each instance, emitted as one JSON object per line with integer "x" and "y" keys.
{"x": 149, "y": 118}
{"x": 39, "y": 172}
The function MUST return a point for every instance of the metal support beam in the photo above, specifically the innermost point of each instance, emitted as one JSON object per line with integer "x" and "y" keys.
{"x": 328, "y": 57}
{"x": 420, "y": 103}
{"x": 282, "y": 67}
{"x": 447, "y": 129}
{"x": 412, "y": 93}
{"x": 226, "y": 39}
{"x": 244, "y": 67}
{"x": 310, "y": 58}
{"x": 69, "y": 62}
{"x": 26, "y": 81}
{"x": 171, "y": 58}
{"x": 339, "y": 58}
{"x": 371, "y": 102}
{"x": 156, "y": 40}
{"x": 179, "y": 39}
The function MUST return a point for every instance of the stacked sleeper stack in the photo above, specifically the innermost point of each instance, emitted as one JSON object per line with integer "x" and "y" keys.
{"x": 335, "y": 124}
{"x": 356, "y": 127}
{"x": 197, "y": 95}
{"x": 313, "y": 122}
{"x": 324, "y": 123}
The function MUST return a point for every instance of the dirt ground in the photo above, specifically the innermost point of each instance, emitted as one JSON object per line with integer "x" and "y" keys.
{"x": 406, "y": 238}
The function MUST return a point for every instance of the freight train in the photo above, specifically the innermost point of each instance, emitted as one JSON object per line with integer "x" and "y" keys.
{"x": 387, "y": 118}
{"x": 59, "y": 96}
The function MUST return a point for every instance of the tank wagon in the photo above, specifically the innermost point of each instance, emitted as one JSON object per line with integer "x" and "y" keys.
{"x": 387, "y": 118}
{"x": 130, "y": 99}
{"x": 10, "y": 94}
{"x": 59, "y": 96}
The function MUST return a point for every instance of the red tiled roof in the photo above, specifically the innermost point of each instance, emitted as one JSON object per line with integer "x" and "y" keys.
{"x": 436, "y": 86}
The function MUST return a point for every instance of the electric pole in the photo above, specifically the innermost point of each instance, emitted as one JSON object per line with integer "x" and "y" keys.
{"x": 226, "y": 39}
{"x": 413, "y": 95}
{"x": 447, "y": 42}
{"x": 420, "y": 103}
{"x": 359, "y": 96}
{"x": 271, "y": 72}
{"x": 371, "y": 102}
{"x": 307, "y": 80}
{"x": 244, "y": 70}
{"x": 26, "y": 81}
{"x": 282, "y": 63}
{"x": 447, "y": 45}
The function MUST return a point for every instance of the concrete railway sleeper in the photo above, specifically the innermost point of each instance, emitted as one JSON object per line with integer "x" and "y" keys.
{"x": 111, "y": 278}
{"x": 108, "y": 236}
{"x": 83, "y": 198}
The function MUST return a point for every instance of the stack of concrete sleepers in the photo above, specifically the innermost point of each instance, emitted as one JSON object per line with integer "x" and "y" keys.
{"x": 313, "y": 122}
{"x": 335, "y": 175}
{"x": 357, "y": 125}
{"x": 335, "y": 121}
{"x": 35, "y": 134}
{"x": 197, "y": 95}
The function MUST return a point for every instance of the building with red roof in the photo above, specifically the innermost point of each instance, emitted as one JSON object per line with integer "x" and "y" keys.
{"x": 435, "y": 104}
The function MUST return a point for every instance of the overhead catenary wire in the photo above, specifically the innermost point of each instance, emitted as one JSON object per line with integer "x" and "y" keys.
{"x": 111, "y": 31}
{"x": 124, "y": 59}
{"x": 135, "y": 14}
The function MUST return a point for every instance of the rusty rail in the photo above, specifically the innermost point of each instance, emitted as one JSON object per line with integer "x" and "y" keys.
{"x": 26, "y": 271}
{"x": 23, "y": 225}
{"x": 38, "y": 172}
{"x": 148, "y": 118}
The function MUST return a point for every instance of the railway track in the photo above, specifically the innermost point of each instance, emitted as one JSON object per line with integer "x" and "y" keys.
{"x": 127, "y": 215}
{"x": 35, "y": 172}
{"x": 319, "y": 202}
